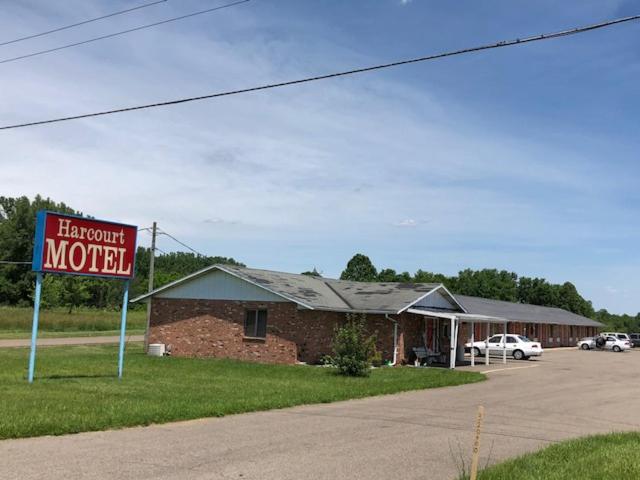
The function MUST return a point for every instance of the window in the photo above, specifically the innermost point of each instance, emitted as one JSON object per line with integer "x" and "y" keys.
{"x": 255, "y": 323}
{"x": 495, "y": 339}
{"x": 511, "y": 339}
{"x": 523, "y": 338}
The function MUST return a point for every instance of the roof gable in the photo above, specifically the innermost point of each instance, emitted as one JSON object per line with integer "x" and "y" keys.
{"x": 220, "y": 285}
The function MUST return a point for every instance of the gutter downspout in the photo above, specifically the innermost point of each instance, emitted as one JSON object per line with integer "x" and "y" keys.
{"x": 395, "y": 339}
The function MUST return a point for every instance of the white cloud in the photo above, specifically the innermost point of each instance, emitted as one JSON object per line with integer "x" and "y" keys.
{"x": 408, "y": 222}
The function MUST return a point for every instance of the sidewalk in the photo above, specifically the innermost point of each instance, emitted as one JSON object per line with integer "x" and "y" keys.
{"x": 53, "y": 342}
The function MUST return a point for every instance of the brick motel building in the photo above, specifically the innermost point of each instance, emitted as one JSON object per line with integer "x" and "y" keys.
{"x": 275, "y": 317}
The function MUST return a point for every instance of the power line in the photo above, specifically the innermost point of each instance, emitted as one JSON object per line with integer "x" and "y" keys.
{"x": 84, "y": 22}
{"x": 162, "y": 232}
{"x": 506, "y": 43}
{"x": 111, "y": 35}
{"x": 11, "y": 262}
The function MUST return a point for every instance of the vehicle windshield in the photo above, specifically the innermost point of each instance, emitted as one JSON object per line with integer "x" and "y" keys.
{"x": 523, "y": 338}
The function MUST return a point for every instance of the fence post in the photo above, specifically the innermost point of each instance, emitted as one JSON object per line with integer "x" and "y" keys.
{"x": 473, "y": 475}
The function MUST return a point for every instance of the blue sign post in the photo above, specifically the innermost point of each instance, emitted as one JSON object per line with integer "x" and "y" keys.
{"x": 34, "y": 328}
{"x": 73, "y": 245}
{"x": 123, "y": 327}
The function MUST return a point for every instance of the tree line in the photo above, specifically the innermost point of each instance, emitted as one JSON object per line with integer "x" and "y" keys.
{"x": 497, "y": 285}
{"x": 17, "y": 230}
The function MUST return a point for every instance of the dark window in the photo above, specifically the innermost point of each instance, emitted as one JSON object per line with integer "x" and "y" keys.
{"x": 255, "y": 323}
{"x": 512, "y": 340}
{"x": 495, "y": 339}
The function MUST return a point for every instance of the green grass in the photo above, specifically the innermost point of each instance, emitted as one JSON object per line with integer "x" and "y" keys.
{"x": 76, "y": 389}
{"x": 598, "y": 457}
{"x": 19, "y": 319}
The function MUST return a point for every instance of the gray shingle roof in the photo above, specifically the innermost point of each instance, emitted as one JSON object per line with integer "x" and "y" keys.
{"x": 337, "y": 295}
{"x": 380, "y": 297}
{"x": 522, "y": 312}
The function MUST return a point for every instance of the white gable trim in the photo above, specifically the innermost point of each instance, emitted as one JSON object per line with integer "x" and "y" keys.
{"x": 439, "y": 287}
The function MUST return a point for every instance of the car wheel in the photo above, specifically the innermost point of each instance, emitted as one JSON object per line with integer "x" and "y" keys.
{"x": 518, "y": 355}
{"x": 616, "y": 348}
{"x": 476, "y": 352}
{"x": 584, "y": 346}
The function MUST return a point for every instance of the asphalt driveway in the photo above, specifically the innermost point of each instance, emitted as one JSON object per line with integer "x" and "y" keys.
{"x": 415, "y": 435}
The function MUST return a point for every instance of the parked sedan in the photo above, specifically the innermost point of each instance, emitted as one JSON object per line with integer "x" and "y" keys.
{"x": 635, "y": 339}
{"x": 518, "y": 346}
{"x": 587, "y": 343}
{"x": 610, "y": 342}
{"x": 620, "y": 336}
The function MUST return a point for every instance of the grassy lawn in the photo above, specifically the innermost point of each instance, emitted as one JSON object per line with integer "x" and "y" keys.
{"x": 76, "y": 388}
{"x": 597, "y": 457}
{"x": 14, "y": 320}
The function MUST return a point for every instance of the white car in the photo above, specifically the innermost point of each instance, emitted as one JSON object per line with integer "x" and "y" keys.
{"x": 620, "y": 336}
{"x": 609, "y": 342}
{"x": 518, "y": 346}
{"x": 587, "y": 343}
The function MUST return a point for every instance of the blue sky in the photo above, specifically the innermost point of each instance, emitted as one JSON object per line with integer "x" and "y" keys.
{"x": 523, "y": 158}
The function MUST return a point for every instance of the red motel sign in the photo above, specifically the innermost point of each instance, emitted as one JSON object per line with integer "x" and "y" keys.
{"x": 81, "y": 246}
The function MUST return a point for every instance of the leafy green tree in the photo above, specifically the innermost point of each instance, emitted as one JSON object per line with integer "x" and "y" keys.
{"x": 387, "y": 275}
{"x": 74, "y": 292}
{"x": 360, "y": 269}
{"x": 488, "y": 283}
{"x": 17, "y": 230}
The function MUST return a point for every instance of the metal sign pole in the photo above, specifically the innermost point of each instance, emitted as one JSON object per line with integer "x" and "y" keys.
{"x": 34, "y": 327}
{"x": 123, "y": 327}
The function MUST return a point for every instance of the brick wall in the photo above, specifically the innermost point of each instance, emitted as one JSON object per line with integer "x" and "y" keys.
{"x": 215, "y": 328}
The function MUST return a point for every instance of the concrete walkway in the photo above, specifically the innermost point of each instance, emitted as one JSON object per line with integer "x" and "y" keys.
{"x": 416, "y": 435}
{"x": 52, "y": 342}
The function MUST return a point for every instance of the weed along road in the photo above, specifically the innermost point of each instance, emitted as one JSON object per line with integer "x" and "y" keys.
{"x": 421, "y": 434}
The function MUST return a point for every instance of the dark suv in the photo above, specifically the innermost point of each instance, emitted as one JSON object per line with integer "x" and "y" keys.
{"x": 635, "y": 339}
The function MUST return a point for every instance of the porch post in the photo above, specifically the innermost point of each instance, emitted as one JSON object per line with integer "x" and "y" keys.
{"x": 486, "y": 346}
{"x": 473, "y": 348}
{"x": 504, "y": 344}
{"x": 452, "y": 342}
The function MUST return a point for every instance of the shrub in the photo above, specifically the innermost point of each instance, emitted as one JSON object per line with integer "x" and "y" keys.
{"x": 353, "y": 350}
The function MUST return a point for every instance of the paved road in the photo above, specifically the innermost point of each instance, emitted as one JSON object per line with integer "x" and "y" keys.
{"x": 412, "y": 435}
{"x": 50, "y": 342}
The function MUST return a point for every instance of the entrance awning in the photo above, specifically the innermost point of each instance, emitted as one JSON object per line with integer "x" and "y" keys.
{"x": 458, "y": 317}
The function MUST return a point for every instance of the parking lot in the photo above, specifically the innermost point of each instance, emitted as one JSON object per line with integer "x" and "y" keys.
{"x": 529, "y": 404}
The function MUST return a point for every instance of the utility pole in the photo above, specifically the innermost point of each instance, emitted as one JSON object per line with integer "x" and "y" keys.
{"x": 152, "y": 259}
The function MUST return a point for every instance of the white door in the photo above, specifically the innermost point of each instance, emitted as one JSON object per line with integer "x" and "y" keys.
{"x": 512, "y": 344}
{"x": 495, "y": 345}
